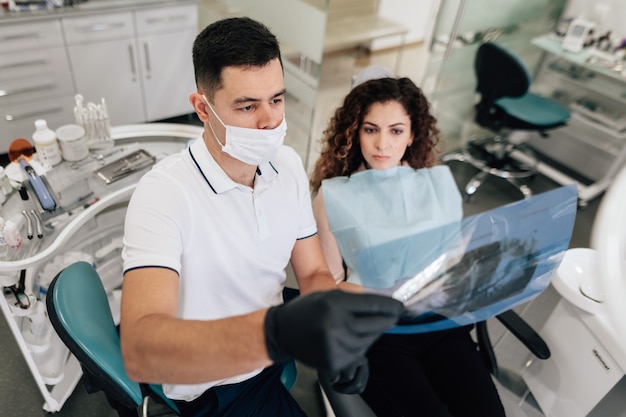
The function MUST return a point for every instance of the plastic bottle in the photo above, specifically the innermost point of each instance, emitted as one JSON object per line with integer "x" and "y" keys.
{"x": 46, "y": 144}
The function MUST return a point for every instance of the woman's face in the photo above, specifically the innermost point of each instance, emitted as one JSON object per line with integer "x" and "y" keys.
{"x": 385, "y": 134}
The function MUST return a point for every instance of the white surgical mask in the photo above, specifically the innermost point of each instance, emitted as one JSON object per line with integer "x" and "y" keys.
{"x": 252, "y": 146}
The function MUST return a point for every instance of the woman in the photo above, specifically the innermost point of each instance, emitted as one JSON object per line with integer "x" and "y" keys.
{"x": 376, "y": 179}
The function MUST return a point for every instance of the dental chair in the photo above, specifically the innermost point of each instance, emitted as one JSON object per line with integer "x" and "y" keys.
{"x": 586, "y": 376}
{"x": 79, "y": 311}
{"x": 505, "y": 106}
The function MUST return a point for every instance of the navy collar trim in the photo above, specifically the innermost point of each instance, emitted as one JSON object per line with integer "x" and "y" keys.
{"x": 201, "y": 172}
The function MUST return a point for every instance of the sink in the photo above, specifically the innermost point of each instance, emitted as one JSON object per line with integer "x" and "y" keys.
{"x": 576, "y": 279}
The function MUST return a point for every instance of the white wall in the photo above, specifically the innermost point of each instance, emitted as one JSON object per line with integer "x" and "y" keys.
{"x": 417, "y": 15}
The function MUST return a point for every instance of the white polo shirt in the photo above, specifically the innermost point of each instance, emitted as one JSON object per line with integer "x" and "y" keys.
{"x": 228, "y": 242}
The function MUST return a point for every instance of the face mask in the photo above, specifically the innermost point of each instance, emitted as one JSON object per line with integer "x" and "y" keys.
{"x": 252, "y": 146}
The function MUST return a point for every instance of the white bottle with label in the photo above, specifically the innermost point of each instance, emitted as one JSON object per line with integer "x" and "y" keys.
{"x": 46, "y": 144}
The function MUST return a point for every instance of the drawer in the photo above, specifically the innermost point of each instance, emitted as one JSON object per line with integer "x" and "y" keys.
{"x": 166, "y": 19}
{"x": 27, "y": 36}
{"x": 33, "y": 75}
{"x": 19, "y": 121}
{"x": 99, "y": 27}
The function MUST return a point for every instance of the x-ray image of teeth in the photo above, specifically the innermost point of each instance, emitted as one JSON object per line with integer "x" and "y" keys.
{"x": 466, "y": 272}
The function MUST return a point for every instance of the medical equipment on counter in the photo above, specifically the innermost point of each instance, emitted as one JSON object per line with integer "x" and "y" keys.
{"x": 94, "y": 118}
{"x": 122, "y": 167}
{"x": 48, "y": 150}
{"x": 577, "y": 34}
{"x": 100, "y": 157}
{"x": 28, "y": 178}
{"x": 91, "y": 224}
{"x": 72, "y": 141}
{"x": 42, "y": 192}
{"x": 5, "y": 183}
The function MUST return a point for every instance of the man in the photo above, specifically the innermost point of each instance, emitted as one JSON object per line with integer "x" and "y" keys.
{"x": 208, "y": 234}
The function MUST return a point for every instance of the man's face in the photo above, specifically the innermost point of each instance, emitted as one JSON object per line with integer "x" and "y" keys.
{"x": 251, "y": 97}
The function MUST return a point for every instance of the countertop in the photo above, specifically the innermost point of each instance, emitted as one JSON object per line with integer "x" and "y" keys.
{"x": 85, "y": 8}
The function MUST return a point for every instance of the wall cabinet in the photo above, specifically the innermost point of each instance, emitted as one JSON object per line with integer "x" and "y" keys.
{"x": 103, "y": 58}
{"x": 164, "y": 42}
{"x": 35, "y": 79}
{"x": 138, "y": 60}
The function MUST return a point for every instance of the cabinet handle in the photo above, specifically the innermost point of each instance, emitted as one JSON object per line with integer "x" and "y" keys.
{"x": 19, "y": 36}
{"x": 99, "y": 27}
{"x": 146, "y": 52}
{"x": 133, "y": 68}
{"x": 4, "y": 93}
{"x": 33, "y": 114}
{"x": 24, "y": 64}
{"x": 156, "y": 20}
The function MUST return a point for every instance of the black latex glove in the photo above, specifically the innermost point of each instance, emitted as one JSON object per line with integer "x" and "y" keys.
{"x": 330, "y": 330}
{"x": 350, "y": 380}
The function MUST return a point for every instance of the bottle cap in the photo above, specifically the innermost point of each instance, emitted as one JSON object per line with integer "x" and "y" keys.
{"x": 41, "y": 124}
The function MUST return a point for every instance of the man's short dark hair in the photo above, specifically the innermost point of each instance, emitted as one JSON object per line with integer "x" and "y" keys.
{"x": 238, "y": 42}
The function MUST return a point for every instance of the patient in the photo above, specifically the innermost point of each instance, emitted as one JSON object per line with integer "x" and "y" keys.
{"x": 376, "y": 179}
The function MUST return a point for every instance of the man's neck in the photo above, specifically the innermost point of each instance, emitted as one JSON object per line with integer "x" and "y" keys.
{"x": 238, "y": 171}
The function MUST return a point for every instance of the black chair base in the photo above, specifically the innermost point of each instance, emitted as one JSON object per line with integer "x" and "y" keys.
{"x": 492, "y": 156}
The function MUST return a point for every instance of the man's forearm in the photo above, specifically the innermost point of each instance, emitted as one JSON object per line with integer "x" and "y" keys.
{"x": 159, "y": 349}
{"x": 321, "y": 281}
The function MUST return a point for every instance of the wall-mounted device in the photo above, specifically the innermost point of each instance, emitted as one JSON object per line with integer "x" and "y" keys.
{"x": 577, "y": 34}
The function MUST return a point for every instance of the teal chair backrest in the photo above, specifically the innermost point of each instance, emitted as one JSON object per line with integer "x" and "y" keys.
{"x": 79, "y": 311}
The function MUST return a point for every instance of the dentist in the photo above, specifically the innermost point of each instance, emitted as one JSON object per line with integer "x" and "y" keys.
{"x": 208, "y": 234}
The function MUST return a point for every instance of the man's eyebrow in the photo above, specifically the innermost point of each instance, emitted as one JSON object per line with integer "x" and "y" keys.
{"x": 242, "y": 100}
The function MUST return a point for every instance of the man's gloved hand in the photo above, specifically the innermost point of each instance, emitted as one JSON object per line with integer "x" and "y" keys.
{"x": 352, "y": 379}
{"x": 330, "y": 331}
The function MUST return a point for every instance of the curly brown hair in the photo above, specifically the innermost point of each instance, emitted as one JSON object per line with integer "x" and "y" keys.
{"x": 341, "y": 151}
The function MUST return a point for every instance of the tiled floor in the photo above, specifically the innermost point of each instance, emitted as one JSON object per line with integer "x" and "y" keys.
{"x": 19, "y": 394}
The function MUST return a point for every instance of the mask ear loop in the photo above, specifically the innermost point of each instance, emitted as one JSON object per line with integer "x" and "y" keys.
{"x": 211, "y": 126}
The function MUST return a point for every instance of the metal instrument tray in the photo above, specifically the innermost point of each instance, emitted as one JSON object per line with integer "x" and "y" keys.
{"x": 125, "y": 166}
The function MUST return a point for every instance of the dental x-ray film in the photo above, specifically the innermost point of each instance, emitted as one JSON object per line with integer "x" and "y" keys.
{"x": 468, "y": 271}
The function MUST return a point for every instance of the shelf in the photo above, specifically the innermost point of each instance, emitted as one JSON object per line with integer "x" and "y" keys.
{"x": 584, "y": 146}
{"x": 553, "y": 45}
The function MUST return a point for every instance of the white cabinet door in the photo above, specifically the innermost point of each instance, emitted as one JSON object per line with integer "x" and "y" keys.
{"x": 111, "y": 70}
{"x": 30, "y": 76}
{"x": 165, "y": 38}
{"x": 167, "y": 69}
{"x": 103, "y": 56}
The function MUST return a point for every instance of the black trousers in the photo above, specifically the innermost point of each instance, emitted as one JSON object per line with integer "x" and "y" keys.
{"x": 261, "y": 396}
{"x": 437, "y": 374}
